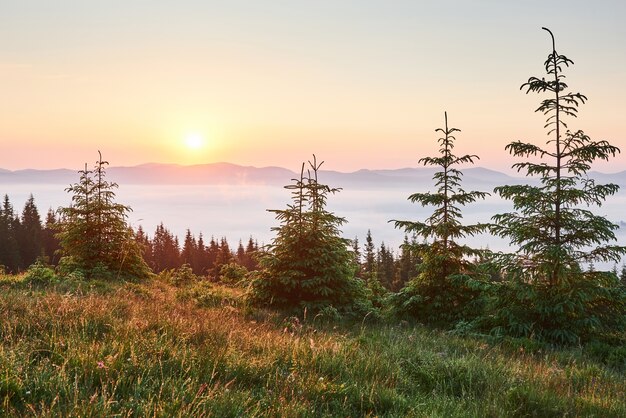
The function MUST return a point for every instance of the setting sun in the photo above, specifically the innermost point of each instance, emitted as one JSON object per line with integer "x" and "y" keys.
{"x": 194, "y": 141}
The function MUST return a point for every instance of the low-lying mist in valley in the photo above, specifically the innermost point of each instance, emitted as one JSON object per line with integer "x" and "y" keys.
{"x": 238, "y": 211}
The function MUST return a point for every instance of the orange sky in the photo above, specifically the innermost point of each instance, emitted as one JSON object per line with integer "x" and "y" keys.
{"x": 363, "y": 84}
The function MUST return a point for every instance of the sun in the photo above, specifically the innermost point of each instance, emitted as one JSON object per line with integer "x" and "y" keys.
{"x": 194, "y": 141}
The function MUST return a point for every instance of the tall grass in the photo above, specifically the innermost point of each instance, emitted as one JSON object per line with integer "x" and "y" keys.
{"x": 155, "y": 350}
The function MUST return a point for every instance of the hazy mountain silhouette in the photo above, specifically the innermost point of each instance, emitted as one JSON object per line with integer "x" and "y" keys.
{"x": 233, "y": 174}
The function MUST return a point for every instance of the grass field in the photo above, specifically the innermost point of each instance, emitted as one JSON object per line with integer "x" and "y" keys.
{"x": 95, "y": 349}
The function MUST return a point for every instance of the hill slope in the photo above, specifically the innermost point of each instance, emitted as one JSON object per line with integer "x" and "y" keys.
{"x": 96, "y": 349}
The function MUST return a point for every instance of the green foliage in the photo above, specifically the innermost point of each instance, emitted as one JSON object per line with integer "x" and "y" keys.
{"x": 9, "y": 246}
{"x": 94, "y": 232}
{"x": 30, "y": 233}
{"x": 442, "y": 291}
{"x": 548, "y": 294}
{"x": 308, "y": 264}
{"x": 377, "y": 294}
{"x": 40, "y": 274}
{"x": 610, "y": 355}
{"x": 568, "y": 313}
{"x": 183, "y": 276}
{"x": 233, "y": 273}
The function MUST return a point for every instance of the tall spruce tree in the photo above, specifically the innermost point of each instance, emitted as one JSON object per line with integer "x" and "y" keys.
{"x": 94, "y": 235}
{"x": 9, "y": 248}
{"x": 549, "y": 295}
{"x": 165, "y": 250}
{"x": 189, "y": 249}
{"x": 370, "y": 265}
{"x": 49, "y": 241}
{"x": 440, "y": 293}
{"x": 308, "y": 264}
{"x": 30, "y": 233}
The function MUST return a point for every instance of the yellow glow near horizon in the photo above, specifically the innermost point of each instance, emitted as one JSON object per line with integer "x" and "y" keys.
{"x": 195, "y": 141}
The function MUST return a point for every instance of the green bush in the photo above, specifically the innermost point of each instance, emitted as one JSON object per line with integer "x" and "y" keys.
{"x": 41, "y": 274}
{"x": 182, "y": 276}
{"x": 232, "y": 273}
{"x": 577, "y": 311}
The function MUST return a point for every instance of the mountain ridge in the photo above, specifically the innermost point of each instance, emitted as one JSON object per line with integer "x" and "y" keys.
{"x": 224, "y": 173}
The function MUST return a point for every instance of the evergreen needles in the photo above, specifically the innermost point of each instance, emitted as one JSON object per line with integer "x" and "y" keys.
{"x": 548, "y": 293}
{"x": 441, "y": 291}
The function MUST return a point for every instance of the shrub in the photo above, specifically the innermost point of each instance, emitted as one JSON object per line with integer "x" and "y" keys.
{"x": 232, "y": 273}
{"x": 40, "y": 274}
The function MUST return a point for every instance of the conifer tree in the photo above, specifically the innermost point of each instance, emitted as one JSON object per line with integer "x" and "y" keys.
{"x": 189, "y": 249}
{"x": 408, "y": 263}
{"x": 385, "y": 266}
{"x": 212, "y": 252}
{"x": 146, "y": 246}
{"x": 308, "y": 263}
{"x": 30, "y": 233}
{"x": 9, "y": 249}
{"x": 241, "y": 254}
{"x": 94, "y": 235}
{"x": 49, "y": 241}
{"x": 251, "y": 251}
{"x": 441, "y": 293}
{"x": 166, "y": 251}
{"x": 224, "y": 256}
{"x": 548, "y": 294}
{"x": 369, "y": 267}
{"x": 201, "y": 257}
{"x": 356, "y": 256}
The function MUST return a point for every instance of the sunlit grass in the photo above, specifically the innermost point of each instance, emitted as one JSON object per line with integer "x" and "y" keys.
{"x": 153, "y": 349}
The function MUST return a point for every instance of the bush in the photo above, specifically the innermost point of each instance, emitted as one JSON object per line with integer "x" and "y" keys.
{"x": 232, "y": 273}
{"x": 182, "y": 276}
{"x": 573, "y": 312}
{"x": 40, "y": 274}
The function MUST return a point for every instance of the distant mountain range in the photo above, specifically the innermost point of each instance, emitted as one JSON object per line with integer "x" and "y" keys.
{"x": 232, "y": 174}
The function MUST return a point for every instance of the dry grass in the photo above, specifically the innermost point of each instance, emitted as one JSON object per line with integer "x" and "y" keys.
{"x": 156, "y": 350}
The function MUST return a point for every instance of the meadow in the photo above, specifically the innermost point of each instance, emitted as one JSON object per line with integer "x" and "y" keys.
{"x": 160, "y": 348}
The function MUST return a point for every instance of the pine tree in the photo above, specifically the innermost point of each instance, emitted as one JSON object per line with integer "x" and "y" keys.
{"x": 369, "y": 267}
{"x": 30, "y": 233}
{"x": 189, "y": 249}
{"x": 201, "y": 257}
{"x": 165, "y": 250}
{"x": 49, "y": 241}
{"x": 548, "y": 294}
{"x": 385, "y": 266}
{"x": 252, "y": 249}
{"x": 241, "y": 254}
{"x": 94, "y": 235}
{"x": 146, "y": 246}
{"x": 212, "y": 252}
{"x": 308, "y": 263}
{"x": 9, "y": 249}
{"x": 441, "y": 293}
{"x": 356, "y": 256}
{"x": 224, "y": 256}
{"x": 407, "y": 264}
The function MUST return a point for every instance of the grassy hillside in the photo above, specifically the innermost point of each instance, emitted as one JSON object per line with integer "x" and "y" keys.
{"x": 153, "y": 349}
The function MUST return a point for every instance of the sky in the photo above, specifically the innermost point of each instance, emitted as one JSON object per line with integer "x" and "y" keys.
{"x": 362, "y": 84}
